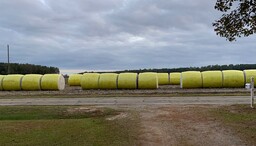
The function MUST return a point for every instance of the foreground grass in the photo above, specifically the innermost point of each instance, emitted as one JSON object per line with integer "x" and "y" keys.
{"x": 240, "y": 118}
{"x": 63, "y": 125}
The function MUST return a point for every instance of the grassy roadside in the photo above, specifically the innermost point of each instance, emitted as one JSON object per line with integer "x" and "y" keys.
{"x": 64, "y": 125}
{"x": 240, "y": 118}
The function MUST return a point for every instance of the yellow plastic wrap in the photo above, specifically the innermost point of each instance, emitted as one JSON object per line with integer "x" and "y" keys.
{"x": 52, "y": 82}
{"x": 163, "y": 78}
{"x": 127, "y": 81}
{"x": 12, "y": 82}
{"x": 108, "y": 81}
{"x": 90, "y": 81}
{"x": 31, "y": 82}
{"x": 1, "y": 82}
{"x": 191, "y": 79}
{"x": 212, "y": 79}
{"x": 74, "y": 79}
{"x": 175, "y": 78}
{"x": 148, "y": 81}
{"x": 248, "y": 74}
{"x": 233, "y": 79}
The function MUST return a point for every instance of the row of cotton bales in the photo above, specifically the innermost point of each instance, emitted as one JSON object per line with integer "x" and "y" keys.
{"x": 163, "y": 79}
{"x": 114, "y": 81}
{"x": 216, "y": 79}
{"x": 32, "y": 82}
{"x": 169, "y": 79}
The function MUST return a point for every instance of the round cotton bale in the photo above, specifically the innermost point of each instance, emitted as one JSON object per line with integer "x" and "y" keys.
{"x": 90, "y": 81}
{"x": 127, "y": 81}
{"x": 233, "y": 79}
{"x": 12, "y": 82}
{"x": 74, "y": 79}
{"x": 52, "y": 82}
{"x": 108, "y": 81}
{"x": 148, "y": 81}
{"x": 212, "y": 79}
{"x": 191, "y": 79}
{"x": 163, "y": 78}
{"x": 31, "y": 82}
{"x": 248, "y": 74}
{"x": 1, "y": 82}
{"x": 175, "y": 78}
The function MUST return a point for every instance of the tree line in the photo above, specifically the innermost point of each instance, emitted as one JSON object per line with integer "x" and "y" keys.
{"x": 203, "y": 68}
{"x": 16, "y": 68}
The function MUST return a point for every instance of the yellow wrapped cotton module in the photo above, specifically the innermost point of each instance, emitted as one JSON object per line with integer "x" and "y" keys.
{"x": 127, "y": 81}
{"x": 12, "y": 82}
{"x": 90, "y": 81}
{"x": 1, "y": 82}
{"x": 248, "y": 74}
{"x": 212, "y": 79}
{"x": 31, "y": 82}
{"x": 175, "y": 78}
{"x": 108, "y": 81}
{"x": 233, "y": 79}
{"x": 163, "y": 78}
{"x": 74, "y": 79}
{"x": 147, "y": 81}
{"x": 52, "y": 82}
{"x": 191, "y": 79}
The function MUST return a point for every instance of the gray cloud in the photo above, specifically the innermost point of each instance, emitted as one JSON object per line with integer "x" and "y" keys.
{"x": 116, "y": 34}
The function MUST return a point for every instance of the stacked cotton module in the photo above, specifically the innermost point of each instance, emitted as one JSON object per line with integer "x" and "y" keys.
{"x": 191, "y": 79}
{"x": 127, "y": 81}
{"x": 108, "y": 81}
{"x": 31, "y": 82}
{"x": 248, "y": 74}
{"x": 163, "y": 78}
{"x": 52, "y": 82}
{"x": 233, "y": 79}
{"x": 212, "y": 79}
{"x": 74, "y": 79}
{"x": 148, "y": 81}
{"x": 1, "y": 82}
{"x": 12, "y": 82}
{"x": 175, "y": 78}
{"x": 90, "y": 81}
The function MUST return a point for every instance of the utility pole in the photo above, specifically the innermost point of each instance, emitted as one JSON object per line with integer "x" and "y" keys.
{"x": 8, "y": 57}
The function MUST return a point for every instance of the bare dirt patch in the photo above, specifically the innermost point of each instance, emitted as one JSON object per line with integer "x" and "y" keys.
{"x": 117, "y": 117}
{"x": 84, "y": 110}
{"x": 183, "y": 125}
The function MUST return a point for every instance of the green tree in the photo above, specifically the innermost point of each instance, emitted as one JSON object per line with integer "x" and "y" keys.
{"x": 238, "y": 19}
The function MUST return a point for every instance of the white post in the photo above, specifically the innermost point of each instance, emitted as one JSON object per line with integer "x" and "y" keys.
{"x": 252, "y": 92}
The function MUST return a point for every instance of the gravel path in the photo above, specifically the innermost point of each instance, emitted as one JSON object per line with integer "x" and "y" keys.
{"x": 218, "y": 100}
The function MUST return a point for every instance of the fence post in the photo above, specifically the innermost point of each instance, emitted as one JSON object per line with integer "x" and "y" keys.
{"x": 252, "y": 92}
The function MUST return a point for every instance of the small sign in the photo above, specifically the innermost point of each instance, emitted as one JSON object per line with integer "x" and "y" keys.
{"x": 248, "y": 86}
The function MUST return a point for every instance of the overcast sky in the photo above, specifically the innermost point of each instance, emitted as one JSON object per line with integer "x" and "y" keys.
{"x": 117, "y": 34}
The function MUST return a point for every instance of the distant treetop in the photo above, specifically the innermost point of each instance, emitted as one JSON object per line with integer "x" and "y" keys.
{"x": 16, "y": 68}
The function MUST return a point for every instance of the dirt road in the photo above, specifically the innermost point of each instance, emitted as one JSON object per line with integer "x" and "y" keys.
{"x": 219, "y": 100}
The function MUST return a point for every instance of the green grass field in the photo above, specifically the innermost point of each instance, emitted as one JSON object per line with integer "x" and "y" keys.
{"x": 63, "y": 125}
